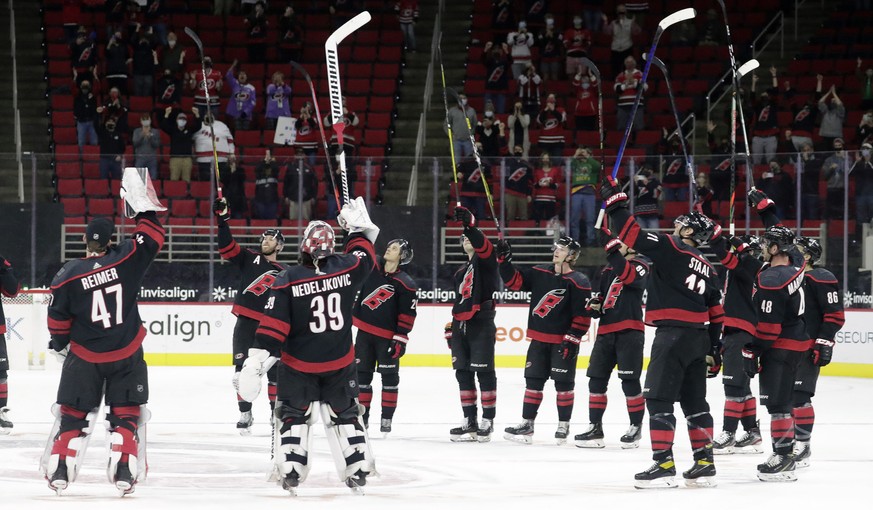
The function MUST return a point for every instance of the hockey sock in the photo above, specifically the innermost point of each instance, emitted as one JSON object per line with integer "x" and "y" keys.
{"x": 596, "y": 407}
{"x": 566, "y": 396}
{"x": 662, "y": 428}
{"x": 124, "y": 420}
{"x": 4, "y": 392}
{"x": 749, "y": 418}
{"x": 531, "y": 405}
{"x": 700, "y": 433}
{"x": 636, "y": 404}
{"x": 244, "y": 407}
{"x": 73, "y": 422}
{"x": 390, "y": 384}
{"x": 469, "y": 395}
{"x": 271, "y": 394}
{"x": 804, "y": 419}
{"x": 488, "y": 386}
{"x": 733, "y": 411}
{"x": 782, "y": 433}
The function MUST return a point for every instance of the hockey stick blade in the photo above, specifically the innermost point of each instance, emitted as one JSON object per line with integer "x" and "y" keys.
{"x": 748, "y": 67}
{"x": 197, "y": 41}
{"x": 591, "y": 67}
{"x": 657, "y": 62}
{"x": 677, "y": 17}
{"x": 330, "y": 50}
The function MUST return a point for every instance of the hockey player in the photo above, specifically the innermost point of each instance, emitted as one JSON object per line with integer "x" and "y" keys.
{"x": 384, "y": 315}
{"x": 473, "y": 333}
{"x": 823, "y": 317}
{"x": 94, "y": 323}
{"x": 258, "y": 270}
{"x": 307, "y": 323}
{"x": 9, "y": 287}
{"x": 555, "y": 326}
{"x": 682, "y": 297}
{"x": 620, "y": 339}
{"x": 779, "y": 344}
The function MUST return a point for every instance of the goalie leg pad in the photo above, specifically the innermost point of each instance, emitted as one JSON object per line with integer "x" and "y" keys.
{"x": 127, "y": 461}
{"x": 294, "y": 430}
{"x": 348, "y": 442}
{"x": 66, "y": 444}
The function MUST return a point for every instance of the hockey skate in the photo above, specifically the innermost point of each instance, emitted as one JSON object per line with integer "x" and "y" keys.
{"x": 659, "y": 476}
{"x": 356, "y": 482}
{"x": 486, "y": 427}
{"x": 725, "y": 443}
{"x": 5, "y": 424}
{"x": 466, "y": 432}
{"x": 244, "y": 425}
{"x": 801, "y": 454}
{"x": 778, "y": 468}
{"x": 521, "y": 433}
{"x": 591, "y": 438}
{"x": 702, "y": 473}
{"x": 750, "y": 442}
{"x": 631, "y": 438}
{"x": 290, "y": 482}
{"x": 385, "y": 427}
{"x": 562, "y": 432}
{"x": 59, "y": 479}
{"x": 124, "y": 480}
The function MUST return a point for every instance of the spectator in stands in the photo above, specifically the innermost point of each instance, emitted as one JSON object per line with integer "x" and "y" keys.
{"x": 865, "y": 80}
{"x": 278, "y": 100}
{"x": 550, "y": 46}
{"x": 211, "y": 85}
{"x": 156, "y": 17}
{"x": 307, "y": 134}
{"x": 648, "y": 192}
{"x": 552, "y": 122}
{"x": 518, "y": 185}
{"x": 802, "y": 125}
{"x": 496, "y": 61}
{"x": 114, "y": 109}
{"x": 779, "y": 186}
{"x": 407, "y": 15}
{"x": 243, "y": 97}
{"x": 626, "y": 84}
{"x": 577, "y": 44}
{"x": 519, "y": 134}
{"x": 224, "y": 147}
{"x": 833, "y": 172}
{"x": 720, "y": 161}
{"x": 145, "y": 63}
{"x": 85, "y": 113}
{"x": 623, "y": 29}
{"x": 248, "y": 6}
{"x": 233, "y": 182}
{"x": 300, "y": 206}
{"x": 520, "y": 43}
{"x": 173, "y": 56}
{"x": 112, "y": 146}
{"x": 181, "y": 132}
{"x": 535, "y": 12}
{"x": 713, "y": 31}
{"x": 461, "y": 117}
{"x": 585, "y": 114}
{"x": 502, "y": 18}
{"x": 266, "y": 203}
{"x": 585, "y": 176}
{"x": 547, "y": 178}
{"x": 685, "y": 34}
{"x": 833, "y": 114}
{"x": 809, "y": 172}
{"x": 862, "y": 171}
{"x": 146, "y": 145}
{"x": 290, "y": 36}
{"x": 766, "y": 127}
{"x": 592, "y": 11}
{"x": 865, "y": 128}
{"x": 529, "y": 84}
{"x": 350, "y": 120}
{"x": 705, "y": 194}
{"x": 491, "y": 134}
{"x": 84, "y": 56}
{"x": 256, "y": 33}
{"x": 71, "y": 14}
{"x": 168, "y": 91}
{"x": 673, "y": 166}
{"x": 471, "y": 178}
{"x": 118, "y": 59}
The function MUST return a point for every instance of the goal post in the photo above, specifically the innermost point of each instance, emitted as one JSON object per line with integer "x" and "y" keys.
{"x": 27, "y": 335}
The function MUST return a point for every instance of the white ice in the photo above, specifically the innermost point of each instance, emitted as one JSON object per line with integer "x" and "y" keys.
{"x": 198, "y": 460}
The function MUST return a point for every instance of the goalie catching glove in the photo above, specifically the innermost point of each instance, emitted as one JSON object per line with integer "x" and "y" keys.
{"x": 355, "y": 218}
{"x": 255, "y": 366}
{"x": 138, "y": 192}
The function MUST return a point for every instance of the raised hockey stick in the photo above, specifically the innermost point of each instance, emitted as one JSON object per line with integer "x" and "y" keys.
{"x": 199, "y": 44}
{"x": 737, "y": 107}
{"x": 449, "y": 124}
{"x": 596, "y": 72}
{"x": 672, "y": 19}
{"x": 336, "y": 95}
{"x": 297, "y": 67}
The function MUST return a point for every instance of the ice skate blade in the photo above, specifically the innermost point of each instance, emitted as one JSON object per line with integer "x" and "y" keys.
{"x": 5, "y": 431}
{"x": 469, "y": 437}
{"x": 747, "y": 450}
{"x": 629, "y": 446}
{"x": 385, "y": 435}
{"x": 356, "y": 486}
{"x": 802, "y": 463}
{"x": 667, "y": 482}
{"x": 58, "y": 486}
{"x": 728, "y": 450}
{"x": 124, "y": 488}
{"x": 701, "y": 482}
{"x": 483, "y": 439}
{"x": 590, "y": 443}
{"x": 518, "y": 438}
{"x": 560, "y": 441}
{"x": 245, "y": 432}
{"x": 785, "y": 476}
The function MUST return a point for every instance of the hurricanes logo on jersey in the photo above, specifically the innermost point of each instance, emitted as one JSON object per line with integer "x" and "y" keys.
{"x": 674, "y": 167}
{"x": 379, "y": 296}
{"x": 517, "y": 175}
{"x": 549, "y": 302}
{"x": 612, "y": 294}
{"x": 262, "y": 284}
{"x": 466, "y": 288}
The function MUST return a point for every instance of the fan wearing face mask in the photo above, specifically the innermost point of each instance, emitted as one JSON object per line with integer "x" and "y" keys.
{"x": 181, "y": 127}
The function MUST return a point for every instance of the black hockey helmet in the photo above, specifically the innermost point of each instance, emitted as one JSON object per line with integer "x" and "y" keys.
{"x": 701, "y": 226}
{"x": 573, "y": 247}
{"x": 275, "y": 233}
{"x": 779, "y": 235}
{"x": 810, "y": 247}
{"x": 406, "y": 252}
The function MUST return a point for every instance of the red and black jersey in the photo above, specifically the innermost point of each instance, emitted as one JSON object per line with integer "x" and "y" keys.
{"x": 386, "y": 305}
{"x": 824, "y": 314}
{"x": 93, "y": 304}
{"x": 308, "y": 313}
{"x": 739, "y": 310}
{"x": 477, "y": 280}
{"x": 519, "y": 177}
{"x": 622, "y": 284}
{"x": 779, "y": 302}
{"x": 9, "y": 287}
{"x": 257, "y": 274}
{"x": 683, "y": 286}
{"x": 557, "y": 301}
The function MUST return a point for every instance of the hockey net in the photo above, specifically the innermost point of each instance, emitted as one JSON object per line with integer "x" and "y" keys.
{"x": 27, "y": 334}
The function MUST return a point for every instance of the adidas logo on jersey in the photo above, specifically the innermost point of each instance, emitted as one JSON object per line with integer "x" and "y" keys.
{"x": 96, "y": 265}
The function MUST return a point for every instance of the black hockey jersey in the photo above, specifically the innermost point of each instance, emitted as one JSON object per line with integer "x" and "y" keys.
{"x": 779, "y": 302}
{"x": 93, "y": 304}
{"x": 622, "y": 284}
{"x": 477, "y": 280}
{"x": 257, "y": 274}
{"x": 386, "y": 306}
{"x": 308, "y": 313}
{"x": 824, "y": 314}
{"x": 9, "y": 287}
{"x": 739, "y": 310}
{"x": 682, "y": 289}
{"x": 557, "y": 301}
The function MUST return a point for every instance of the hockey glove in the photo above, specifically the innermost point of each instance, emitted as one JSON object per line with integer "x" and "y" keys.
{"x": 612, "y": 195}
{"x": 466, "y": 217}
{"x": 503, "y": 250}
{"x": 354, "y": 218}
{"x": 612, "y": 246}
{"x": 716, "y": 234}
{"x": 60, "y": 355}
{"x": 751, "y": 360}
{"x": 739, "y": 245}
{"x": 220, "y": 209}
{"x": 397, "y": 348}
{"x": 593, "y": 304}
{"x": 713, "y": 360}
{"x": 447, "y": 333}
{"x": 759, "y": 200}
{"x": 822, "y": 352}
{"x": 138, "y": 192}
{"x": 254, "y": 367}
{"x": 570, "y": 347}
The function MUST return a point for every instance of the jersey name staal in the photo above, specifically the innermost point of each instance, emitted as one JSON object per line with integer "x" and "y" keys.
{"x": 698, "y": 266}
{"x": 100, "y": 278}
{"x": 318, "y": 286}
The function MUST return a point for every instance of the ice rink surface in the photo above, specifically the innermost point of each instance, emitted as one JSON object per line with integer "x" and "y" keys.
{"x": 198, "y": 460}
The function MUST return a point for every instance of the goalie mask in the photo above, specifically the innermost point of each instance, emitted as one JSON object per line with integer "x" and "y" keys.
{"x": 318, "y": 240}
{"x": 405, "y": 250}
{"x": 810, "y": 247}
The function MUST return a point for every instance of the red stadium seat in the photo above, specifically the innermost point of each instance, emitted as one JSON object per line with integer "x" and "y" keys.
{"x": 96, "y": 188}
{"x": 201, "y": 189}
{"x": 101, "y": 207}
{"x": 74, "y": 206}
{"x": 176, "y": 189}
{"x": 181, "y": 207}
{"x": 68, "y": 169}
{"x": 70, "y": 187}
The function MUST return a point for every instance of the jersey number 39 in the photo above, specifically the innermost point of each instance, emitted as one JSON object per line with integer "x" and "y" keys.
{"x": 326, "y": 313}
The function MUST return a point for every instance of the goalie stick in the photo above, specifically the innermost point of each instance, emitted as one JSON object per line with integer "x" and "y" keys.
{"x": 596, "y": 72}
{"x": 449, "y": 125}
{"x": 199, "y": 44}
